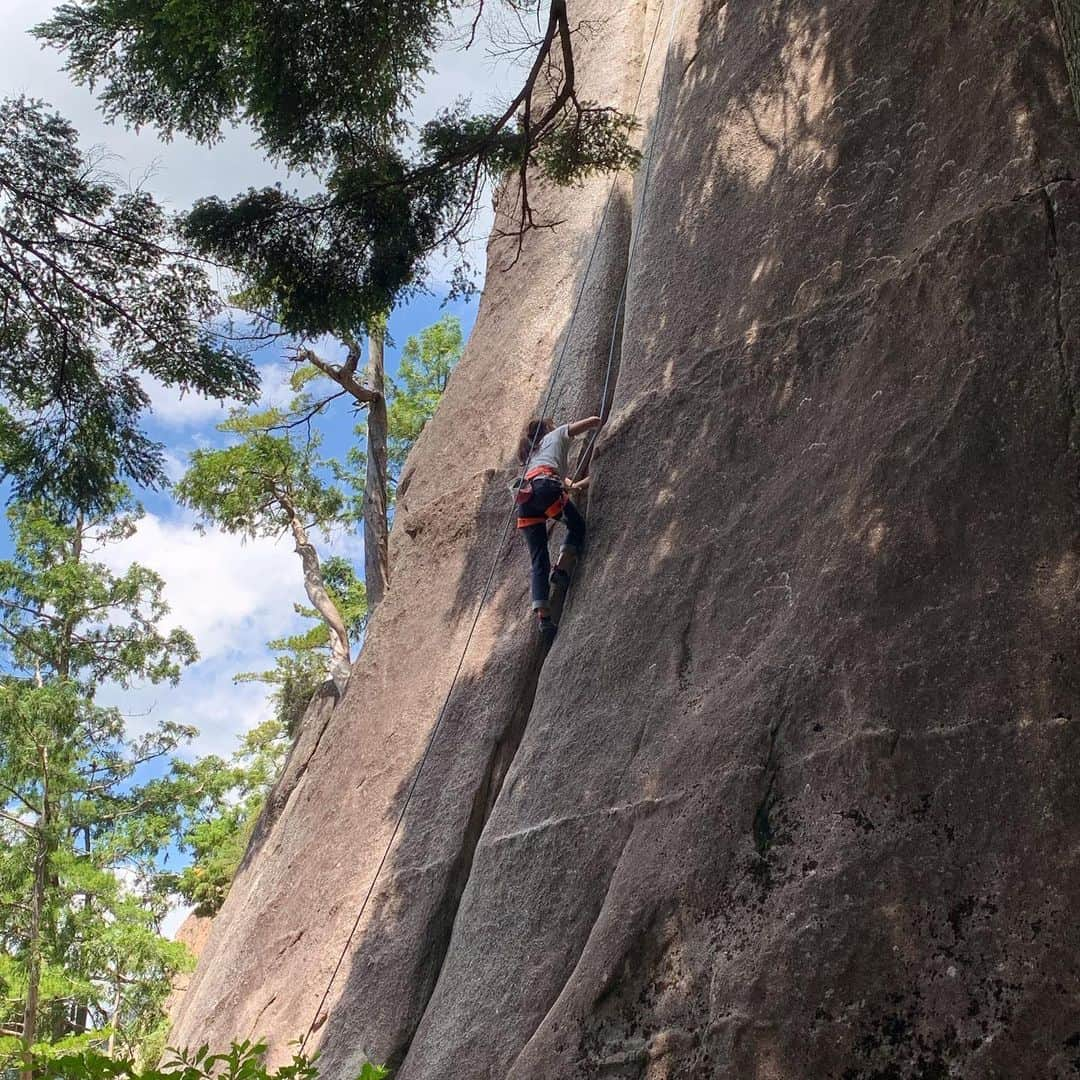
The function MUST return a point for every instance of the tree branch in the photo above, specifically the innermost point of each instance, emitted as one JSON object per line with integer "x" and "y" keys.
{"x": 343, "y": 374}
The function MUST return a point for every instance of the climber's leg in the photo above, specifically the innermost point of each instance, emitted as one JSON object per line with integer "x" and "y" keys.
{"x": 537, "y": 538}
{"x": 572, "y": 545}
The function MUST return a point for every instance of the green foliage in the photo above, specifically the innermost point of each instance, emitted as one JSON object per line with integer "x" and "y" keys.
{"x": 243, "y": 1061}
{"x": 94, "y": 301}
{"x": 66, "y": 615}
{"x": 335, "y": 261}
{"x": 427, "y": 361}
{"x": 300, "y": 668}
{"x": 305, "y": 76}
{"x": 328, "y": 87}
{"x": 253, "y": 486}
{"x": 374, "y": 1072}
{"x": 586, "y": 142}
{"x": 424, "y": 372}
{"x": 222, "y": 819}
{"x": 81, "y": 828}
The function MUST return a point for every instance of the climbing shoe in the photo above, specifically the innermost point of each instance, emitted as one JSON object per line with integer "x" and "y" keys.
{"x": 546, "y": 628}
{"x": 560, "y": 579}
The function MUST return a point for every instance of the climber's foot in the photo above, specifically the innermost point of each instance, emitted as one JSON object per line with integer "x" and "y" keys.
{"x": 546, "y": 628}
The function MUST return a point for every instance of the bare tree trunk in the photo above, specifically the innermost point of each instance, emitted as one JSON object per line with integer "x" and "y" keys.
{"x": 372, "y": 393}
{"x": 33, "y": 961}
{"x": 117, "y": 1001}
{"x": 1068, "y": 20}
{"x": 37, "y": 908}
{"x": 315, "y": 586}
{"x": 80, "y": 1020}
{"x": 376, "y": 540}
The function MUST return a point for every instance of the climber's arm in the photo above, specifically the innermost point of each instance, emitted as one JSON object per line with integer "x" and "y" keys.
{"x": 579, "y": 427}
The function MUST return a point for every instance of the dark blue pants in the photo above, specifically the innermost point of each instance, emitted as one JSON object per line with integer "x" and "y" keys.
{"x": 545, "y": 492}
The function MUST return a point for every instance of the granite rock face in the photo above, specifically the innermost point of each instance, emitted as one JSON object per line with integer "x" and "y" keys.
{"x": 193, "y": 932}
{"x": 797, "y": 791}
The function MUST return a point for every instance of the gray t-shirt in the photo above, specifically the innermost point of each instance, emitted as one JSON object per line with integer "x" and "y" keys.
{"x": 552, "y": 450}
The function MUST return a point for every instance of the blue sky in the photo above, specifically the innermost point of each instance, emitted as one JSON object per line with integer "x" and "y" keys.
{"x": 232, "y": 596}
{"x": 235, "y": 595}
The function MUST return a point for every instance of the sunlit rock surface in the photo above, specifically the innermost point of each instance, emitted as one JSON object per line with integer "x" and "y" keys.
{"x": 797, "y": 792}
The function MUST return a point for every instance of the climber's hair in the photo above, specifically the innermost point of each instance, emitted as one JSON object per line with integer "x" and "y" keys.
{"x": 534, "y": 431}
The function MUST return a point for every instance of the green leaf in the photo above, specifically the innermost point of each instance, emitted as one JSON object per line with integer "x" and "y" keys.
{"x": 100, "y": 298}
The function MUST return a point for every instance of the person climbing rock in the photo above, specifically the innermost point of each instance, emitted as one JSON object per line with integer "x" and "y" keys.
{"x": 544, "y": 495}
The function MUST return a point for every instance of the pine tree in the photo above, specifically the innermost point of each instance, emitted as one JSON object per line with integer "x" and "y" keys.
{"x": 83, "y": 816}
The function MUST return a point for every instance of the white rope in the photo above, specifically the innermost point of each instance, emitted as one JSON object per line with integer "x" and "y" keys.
{"x": 498, "y": 551}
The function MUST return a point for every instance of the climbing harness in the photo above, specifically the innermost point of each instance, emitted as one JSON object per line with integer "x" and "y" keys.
{"x": 525, "y": 493}
{"x": 523, "y": 488}
{"x": 318, "y": 1019}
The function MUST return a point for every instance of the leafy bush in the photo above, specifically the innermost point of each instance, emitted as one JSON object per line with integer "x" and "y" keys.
{"x": 243, "y": 1061}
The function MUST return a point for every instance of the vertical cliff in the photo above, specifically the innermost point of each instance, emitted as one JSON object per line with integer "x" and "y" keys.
{"x": 795, "y": 794}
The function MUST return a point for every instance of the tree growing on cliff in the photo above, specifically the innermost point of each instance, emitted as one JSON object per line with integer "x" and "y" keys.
{"x": 82, "y": 827}
{"x": 266, "y": 484}
{"x": 95, "y": 299}
{"x": 395, "y": 417}
{"x": 328, "y": 87}
{"x": 221, "y": 819}
{"x": 368, "y": 391}
{"x": 301, "y": 661}
{"x": 427, "y": 361}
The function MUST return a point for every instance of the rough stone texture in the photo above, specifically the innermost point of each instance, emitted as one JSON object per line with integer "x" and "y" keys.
{"x": 1067, "y": 15}
{"x": 193, "y": 932}
{"x": 796, "y": 792}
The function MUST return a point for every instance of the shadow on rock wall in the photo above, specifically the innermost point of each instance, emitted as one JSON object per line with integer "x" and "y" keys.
{"x": 845, "y": 632}
{"x": 408, "y": 925}
{"x": 795, "y": 793}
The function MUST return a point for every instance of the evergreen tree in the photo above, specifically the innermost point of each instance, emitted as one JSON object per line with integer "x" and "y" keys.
{"x": 268, "y": 483}
{"x": 426, "y": 363}
{"x": 328, "y": 87}
{"x": 83, "y": 820}
{"x": 231, "y": 795}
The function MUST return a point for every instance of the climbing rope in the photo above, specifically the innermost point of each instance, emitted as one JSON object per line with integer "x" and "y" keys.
{"x": 635, "y": 235}
{"x": 315, "y": 1020}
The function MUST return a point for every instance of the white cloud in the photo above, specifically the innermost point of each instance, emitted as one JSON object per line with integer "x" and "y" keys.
{"x": 222, "y": 589}
{"x": 206, "y": 699}
{"x": 176, "y": 409}
{"x": 175, "y": 919}
{"x": 174, "y": 466}
{"x": 233, "y": 596}
{"x": 277, "y": 391}
{"x": 172, "y": 408}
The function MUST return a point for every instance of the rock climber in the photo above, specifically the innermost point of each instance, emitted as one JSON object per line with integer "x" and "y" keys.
{"x": 544, "y": 495}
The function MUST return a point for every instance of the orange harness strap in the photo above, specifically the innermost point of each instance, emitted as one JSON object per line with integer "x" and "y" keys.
{"x": 542, "y": 470}
{"x": 554, "y": 510}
